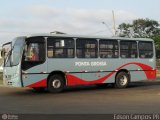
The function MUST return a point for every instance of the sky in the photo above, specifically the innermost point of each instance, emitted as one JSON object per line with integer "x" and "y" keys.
{"x": 83, "y": 17}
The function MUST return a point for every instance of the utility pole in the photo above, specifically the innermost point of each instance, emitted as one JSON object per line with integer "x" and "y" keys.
{"x": 114, "y": 24}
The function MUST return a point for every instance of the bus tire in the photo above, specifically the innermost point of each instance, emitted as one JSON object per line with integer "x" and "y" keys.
{"x": 56, "y": 83}
{"x": 122, "y": 80}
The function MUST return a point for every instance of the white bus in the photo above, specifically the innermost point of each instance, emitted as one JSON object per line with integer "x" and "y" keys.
{"x": 56, "y": 61}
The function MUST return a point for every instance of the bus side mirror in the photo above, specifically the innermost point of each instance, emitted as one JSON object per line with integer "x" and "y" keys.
{"x": 3, "y": 52}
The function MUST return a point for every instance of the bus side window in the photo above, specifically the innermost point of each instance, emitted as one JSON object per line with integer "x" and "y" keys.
{"x": 60, "y": 47}
{"x": 108, "y": 48}
{"x": 32, "y": 52}
{"x": 86, "y": 48}
{"x": 145, "y": 49}
{"x": 128, "y": 49}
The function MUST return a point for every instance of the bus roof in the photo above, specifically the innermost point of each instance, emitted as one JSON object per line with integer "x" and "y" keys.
{"x": 87, "y": 36}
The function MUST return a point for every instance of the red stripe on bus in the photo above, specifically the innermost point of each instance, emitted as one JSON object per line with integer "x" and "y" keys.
{"x": 41, "y": 83}
{"x": 73, "y": 80}
{"x": 149, "y": 71}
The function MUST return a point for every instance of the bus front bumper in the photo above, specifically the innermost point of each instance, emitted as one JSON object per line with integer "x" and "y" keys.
{"x": 13, "y": 82}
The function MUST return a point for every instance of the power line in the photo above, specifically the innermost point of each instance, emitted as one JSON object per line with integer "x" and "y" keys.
{"x": 107, "y": 27}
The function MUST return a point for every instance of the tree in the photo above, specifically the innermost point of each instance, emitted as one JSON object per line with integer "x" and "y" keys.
{"x": 124, "y": 30}
{"x": 139, "y": 28}
{"x": 156, "y": 39}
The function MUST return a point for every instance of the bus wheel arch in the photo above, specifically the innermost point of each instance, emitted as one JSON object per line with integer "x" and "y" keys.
{"x": 122, "y": 78}
{"x": 56, "y": 81}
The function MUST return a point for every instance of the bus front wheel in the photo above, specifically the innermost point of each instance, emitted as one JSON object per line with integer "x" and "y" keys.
{"x": 56, "y": 83}
{"x": 122, "y": 80}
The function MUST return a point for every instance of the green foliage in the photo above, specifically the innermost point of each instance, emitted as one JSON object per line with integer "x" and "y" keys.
{"x": 156, "y": 38}
{"x": 124, "y": 30}
{"x": 140, "y": 28}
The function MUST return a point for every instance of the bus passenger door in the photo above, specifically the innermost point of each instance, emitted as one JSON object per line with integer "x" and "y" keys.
{"x": 34, "y": 65}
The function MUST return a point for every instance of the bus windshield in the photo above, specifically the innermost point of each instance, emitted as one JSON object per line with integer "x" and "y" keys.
{"x": 6, "y": 49}
{"x": 17, "y": 51}
{"x": 12, "y": 54}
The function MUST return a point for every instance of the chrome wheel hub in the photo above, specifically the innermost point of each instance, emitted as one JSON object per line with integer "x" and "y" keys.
{"x": 123, "y": 80}
{"x": 56, "y": 83}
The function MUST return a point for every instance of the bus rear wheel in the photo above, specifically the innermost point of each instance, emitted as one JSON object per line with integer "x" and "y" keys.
{"x": 122, "y": 80}
{"x": 56, "y": 83}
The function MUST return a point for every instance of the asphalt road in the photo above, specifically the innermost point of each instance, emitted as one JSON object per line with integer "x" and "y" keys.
{"x": 142, "y": 97}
